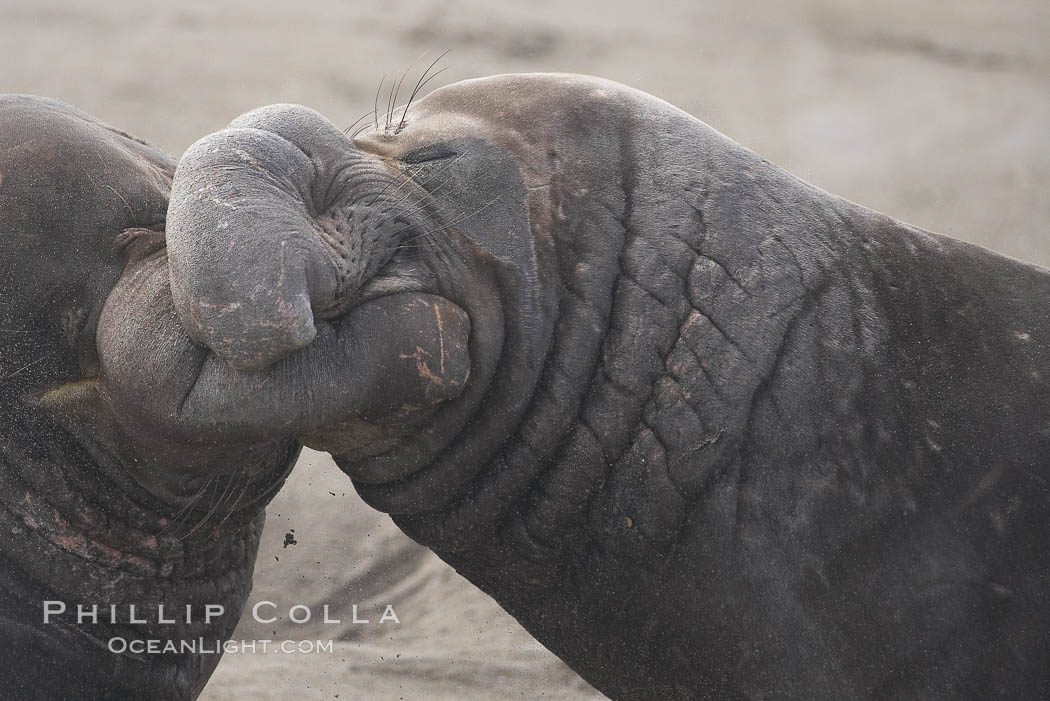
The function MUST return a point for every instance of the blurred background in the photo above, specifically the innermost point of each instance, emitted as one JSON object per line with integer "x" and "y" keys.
{"x": 936, "y": 112}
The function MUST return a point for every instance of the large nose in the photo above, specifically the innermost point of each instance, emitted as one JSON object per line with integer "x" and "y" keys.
{"x": 247, "y": 266}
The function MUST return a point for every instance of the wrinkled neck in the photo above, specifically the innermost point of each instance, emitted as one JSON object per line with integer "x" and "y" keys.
{"x": 83, "y": 530}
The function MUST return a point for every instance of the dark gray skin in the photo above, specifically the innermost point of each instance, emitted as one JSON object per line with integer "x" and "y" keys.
{"x": 705, "y": 430}
{"x": 135, "y": 464}
{"x": 725, "y": 435}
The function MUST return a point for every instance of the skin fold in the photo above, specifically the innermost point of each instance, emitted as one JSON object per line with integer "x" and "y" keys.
{"x": 706, "y": 431}
{"x": 779, "y": 446}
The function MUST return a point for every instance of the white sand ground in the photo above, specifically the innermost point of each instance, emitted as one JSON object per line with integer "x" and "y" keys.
{"x": 937, "y": 112}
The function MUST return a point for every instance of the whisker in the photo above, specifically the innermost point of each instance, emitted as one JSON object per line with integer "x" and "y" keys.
{"x": 435, "y": 75}
{"x": 420, "y": 206}
{"x": 444, "y": 182}
{"x": 360, "y": 129}
{"x": 375, "y": 109}
{"x": 240, "y": 495}
{"x": 386, "y": 205}
{"x": 214, "y": 508}
{"x": 425, "y": 197}
{"x": 389, "y": 105}
{"x": 458, "y": 220}
{"x": 29, "y": 365}
{"x": 404, "y": 181}
{"x": 358, "y": 121}
{"x": 398, "y": 90}
{"x": 419, "y": 85}
{"x": 418, "y": 171}
{"x": 211, "y": 482}
{"x": 181, "y": 513}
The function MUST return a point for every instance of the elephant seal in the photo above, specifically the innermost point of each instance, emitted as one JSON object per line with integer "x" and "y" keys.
{"x": 724, "y": 435}
{"x": 134, "y": 465}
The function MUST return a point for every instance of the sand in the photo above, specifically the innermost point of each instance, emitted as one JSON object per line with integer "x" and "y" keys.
{"x": 936, "y": 112}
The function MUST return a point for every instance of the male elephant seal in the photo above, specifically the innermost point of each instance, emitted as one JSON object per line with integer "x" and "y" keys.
{"x": 724, "y": 435}
{"x": 705, "y": 430}
{"x": 134, "y": 465}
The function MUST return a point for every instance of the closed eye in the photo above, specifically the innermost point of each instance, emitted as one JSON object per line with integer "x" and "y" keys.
{"x": 429, "y": 153}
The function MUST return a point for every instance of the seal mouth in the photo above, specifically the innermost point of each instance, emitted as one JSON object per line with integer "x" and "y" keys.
{"x": 403, "y": 353}
{"x": 278, "y": 220}
{"x": 298, "y": 257}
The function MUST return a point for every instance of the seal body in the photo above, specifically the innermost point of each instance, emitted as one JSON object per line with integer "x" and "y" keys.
{"x": 113, "y": 533}
{"x": 762, "y": 443}
{"x": 724, "y": 435}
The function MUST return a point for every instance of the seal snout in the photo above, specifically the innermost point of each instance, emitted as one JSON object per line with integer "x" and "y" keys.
{"x": 247, "y": 266}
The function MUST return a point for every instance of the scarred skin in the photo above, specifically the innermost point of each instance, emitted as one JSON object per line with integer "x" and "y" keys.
{"x": 764, "y": 442}
{"x": 725, "y": 435}
{"x": 705, "y": 430}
